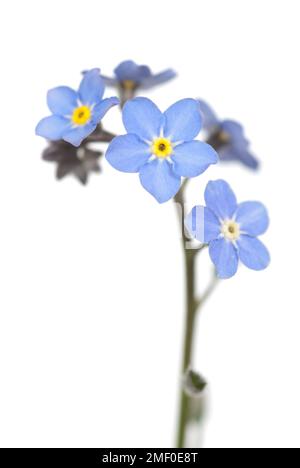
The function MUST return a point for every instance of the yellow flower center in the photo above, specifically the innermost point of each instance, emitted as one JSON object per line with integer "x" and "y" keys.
{"x": 162, "y": 147}
{"x": 129, "y": 85}
{"x": 224, "y": 137}
{"x": 81, "y": 115}
{"x": 231, "y": 230}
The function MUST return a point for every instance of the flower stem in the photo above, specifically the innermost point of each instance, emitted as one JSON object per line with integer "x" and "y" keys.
{"x": 191, "y": 308}
{"x": 193, "y": 304}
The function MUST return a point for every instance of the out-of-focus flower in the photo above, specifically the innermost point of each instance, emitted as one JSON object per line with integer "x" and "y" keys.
{"x": 227, "y": 137}
{"x": 230, "y": 229}
{"x": 129, "y": 75}
{"x": 78, "y": 161}
{"x": 161, "y": 146}
{"x": 75, "y": 114}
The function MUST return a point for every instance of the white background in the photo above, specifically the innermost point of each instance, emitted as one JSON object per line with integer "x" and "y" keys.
{"x": 91, "y": 277}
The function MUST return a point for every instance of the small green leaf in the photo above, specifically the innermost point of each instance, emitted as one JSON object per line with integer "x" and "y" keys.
{"x": 193, "y": 383}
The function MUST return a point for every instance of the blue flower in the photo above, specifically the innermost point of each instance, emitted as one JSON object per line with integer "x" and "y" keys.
{"x": 161, "y": 147}
{"x": 230, "y": 229}
{"x": 130, "y": 76}
{"x": 227, "y": 137}
{"x": 75, "y": 114}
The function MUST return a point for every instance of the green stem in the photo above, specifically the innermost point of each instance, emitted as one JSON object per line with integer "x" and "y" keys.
{"x": 193, "y": 304}
{"x": 191, "y": 308}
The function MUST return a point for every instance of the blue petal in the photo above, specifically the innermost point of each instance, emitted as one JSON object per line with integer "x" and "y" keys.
{"x": 225, "y": 257}
{"x": 91, "y": 88}
{"x": 62, "y": 100}
{"x": 248, "y": 159}
{"x": 183, "y": 120}
{"x": 210, "y": 120}
{"x": 78, "y": 134}
{"x": 157, "y": 79}
{"x": 100, "y": 109}
{"x": 144, "y": 73}
{"x": 192, "y": 158}
{"x": 228, "y": 153}
{"x": 235, "y": 130}
{"x": 238, "y": 147}
{"x": 142, "y": 117}
{"x": 253, "y": 218}
{"x": 253, "y": 253}
{"x": 158, "y": 179}
{"x": 128, "y": 153}
{"x": 127, "y": 70}
{"x": 203, "y": 224}
{"x": 220, "y": 199}
{"x": 109, "y": 81}
{"x": 52, "y": 127}
{"x": 234, "y": 153}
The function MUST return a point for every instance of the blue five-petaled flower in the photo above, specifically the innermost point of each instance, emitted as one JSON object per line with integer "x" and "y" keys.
{"x": 131, "y": 76}
{"x": 230, "y": 229}
{"x": 161, "y": 146}
{"x": 227, "y": 137}
{"x": 76, "y": 114}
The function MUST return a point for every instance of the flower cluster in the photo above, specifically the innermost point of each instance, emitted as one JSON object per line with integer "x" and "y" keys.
{"x": 162, "y": 148}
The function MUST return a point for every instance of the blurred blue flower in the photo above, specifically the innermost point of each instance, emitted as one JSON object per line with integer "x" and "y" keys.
{"x": 75, "y": 114}
{"x": 130, "y": 76}
{"x": 230, "y": 229}
{"x": 161, "y": 146}
{"x": 227, "y": 137}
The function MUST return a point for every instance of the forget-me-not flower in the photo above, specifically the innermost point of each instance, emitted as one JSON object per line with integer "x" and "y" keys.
{"x": 161, "y": 146}
{"x": 130, "y": 76}
{"x": 230, "y": 229}
{"x": 71, "y": 160}
{"x": 76, "y": 114}
{"x": 227, "y": 137}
